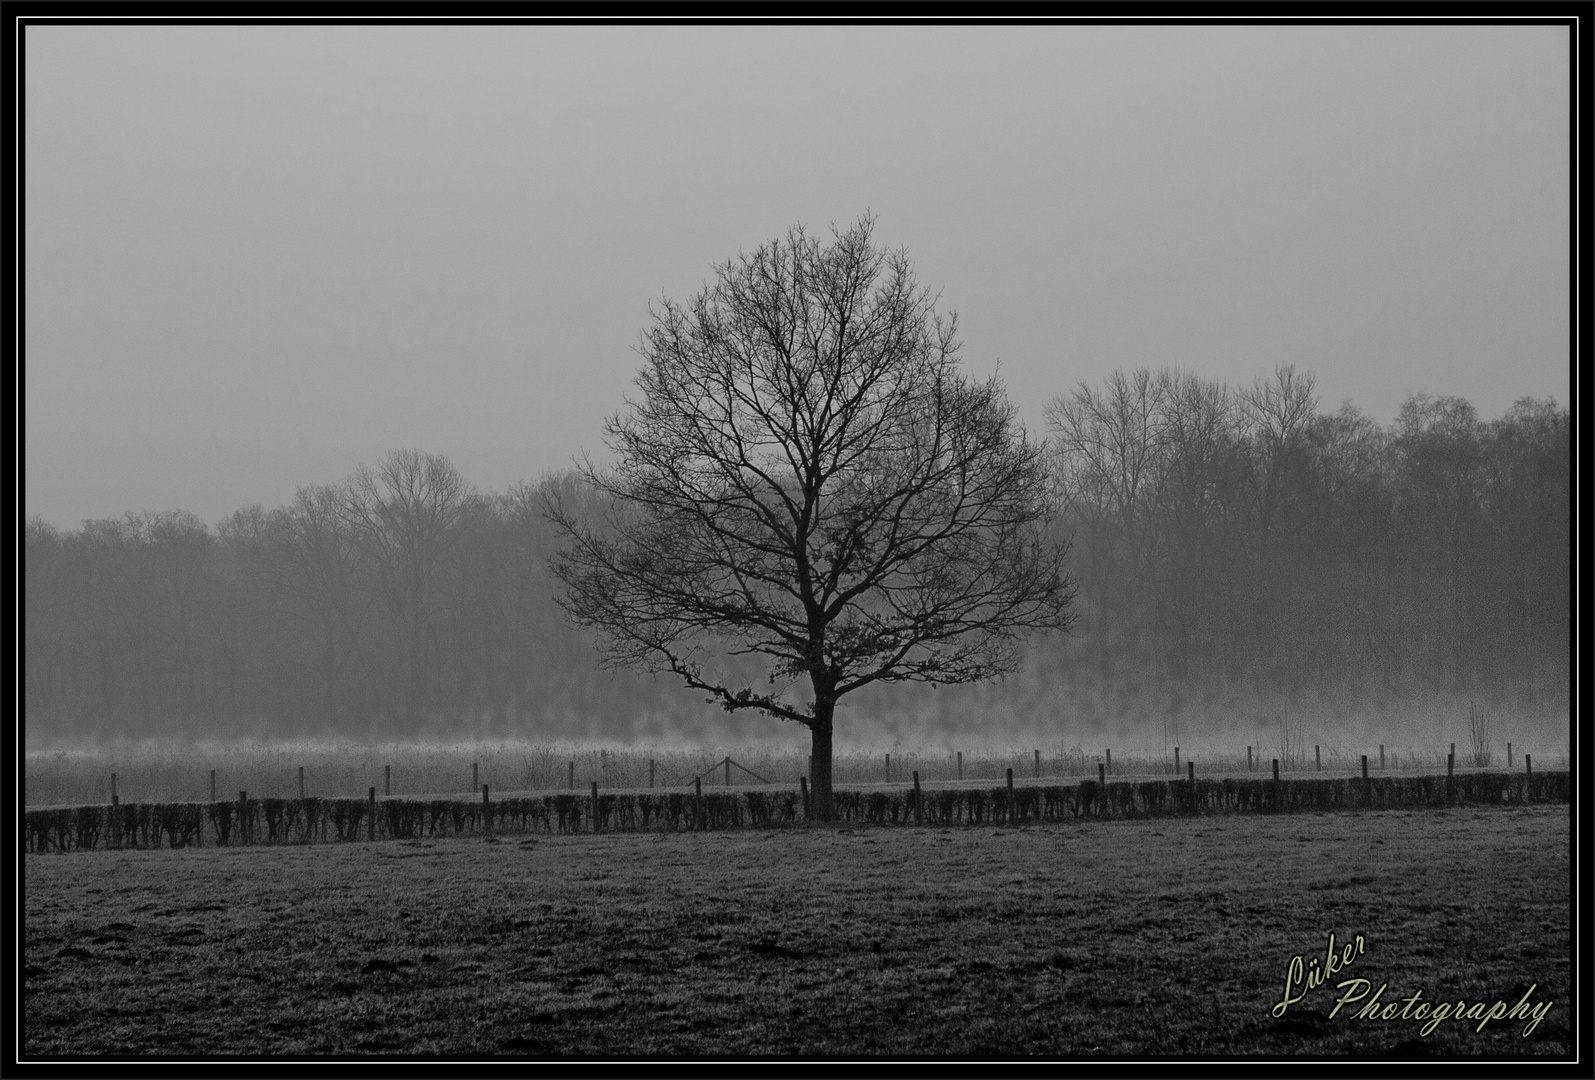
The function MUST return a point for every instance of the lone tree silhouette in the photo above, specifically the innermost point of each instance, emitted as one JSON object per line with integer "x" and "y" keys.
{"x": 809, "y": 482}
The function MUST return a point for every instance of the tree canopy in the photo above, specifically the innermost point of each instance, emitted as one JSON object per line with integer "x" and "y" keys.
{"x": 809, "y": 479}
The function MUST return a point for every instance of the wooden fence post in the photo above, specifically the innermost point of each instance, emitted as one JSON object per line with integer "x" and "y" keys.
{"x": 1318, "y": 758}
{"x": 1365, "y": 768}
{"x": 888, "y": 768}
{"x": 728, "y": 770}
{"x": 595, "y": 806}
{"x": 919, "y": 816}
{"x": 803, "y": 783}
{"x": 1381, "y": 757}
{"x": 387, "y": 781}
{"x": 1528, "y": 772}
{"x": 1176, "y": 761}
{"x": 475, "y": 786}
{"x": 1109, "y": 752}
{"x": 1276, "y": 784}
{"x": 301, "y": 783}
{"x": 1038, "y": 764}
{"x": 1011, "y": 818}
{"x": 960, "y": 765}
{"x": 1102, "y": 775}
{"x": 1509, "y": 755}
{"x": 371, "y": 825}
{"x": 116, "y": 820}
{"x": 487, "y": 811}
{"x": 1248, "y": 759}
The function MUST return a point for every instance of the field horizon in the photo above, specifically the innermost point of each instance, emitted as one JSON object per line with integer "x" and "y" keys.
{"x": 167, "y": 771}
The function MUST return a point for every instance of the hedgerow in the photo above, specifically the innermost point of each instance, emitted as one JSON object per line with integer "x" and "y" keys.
{"x": 313, "y": 820}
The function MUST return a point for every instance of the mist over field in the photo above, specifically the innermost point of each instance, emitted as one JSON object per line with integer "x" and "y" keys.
{"x": 312, "y": 312}
{"x": 1243, "y": 557}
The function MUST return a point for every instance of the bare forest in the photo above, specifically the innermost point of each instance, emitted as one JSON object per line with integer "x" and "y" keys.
{"x": 1235, "y": 549}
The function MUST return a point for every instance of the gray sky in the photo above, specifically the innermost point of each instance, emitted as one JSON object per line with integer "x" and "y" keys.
{"x": 258, "y": 256}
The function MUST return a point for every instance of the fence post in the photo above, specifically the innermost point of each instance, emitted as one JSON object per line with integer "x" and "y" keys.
{"x": 728, "y": 770}
{"x": 113, "y": 786}
{"x": 1528, "y": 771}
{"x": 1365, "y": 768}
{"x": 1381, "y": 757}
{"x": 697, "y": 802}
{"x": 595, "y": 805}
{"x": 1011, "y": 818}
{"x": 243, "y": 815}
{"x": 650, "y": 772}
{"x": 475, "y": 786}
{"x": 960, "y": 765}
{"x": 1509, "y": 755}
{"x": 301, "y": 783}
{"x": 1318, "y": 758}
{"x": 919, "y": 817}
{"x": 487, "y": 811}
{"x": 803, "y": 783}
{"x": 1038, "y": 764}
{"x": 1109, "y": 752}
{"x": 888, "y": 768}
{"x": 570, "y": 777}
{"x": 371, "y": 825}
{"x": 116, "y": 820}
{"x": 387, "y": 780}
{"x": 1248, "y": 759}
{"x": 1176, "y": 761}
{"x": 1276, "y": 784}
{"x": 213, "y": 785}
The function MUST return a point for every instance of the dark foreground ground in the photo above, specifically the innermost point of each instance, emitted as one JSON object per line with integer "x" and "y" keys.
{"x": 1103, "y": 939}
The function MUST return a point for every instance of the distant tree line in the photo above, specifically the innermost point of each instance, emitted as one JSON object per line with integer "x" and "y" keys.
{"x": 1245, "y": 535}
{"x": 1221, "y": 536}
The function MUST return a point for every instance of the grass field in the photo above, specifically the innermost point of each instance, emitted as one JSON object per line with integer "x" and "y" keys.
{"x": 1104, "y": 940}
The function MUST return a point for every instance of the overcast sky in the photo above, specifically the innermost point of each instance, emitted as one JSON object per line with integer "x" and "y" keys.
{"x": 258, "y": 256}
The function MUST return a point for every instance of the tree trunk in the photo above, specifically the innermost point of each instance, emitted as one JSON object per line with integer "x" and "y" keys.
{"x": 822, "y": 806}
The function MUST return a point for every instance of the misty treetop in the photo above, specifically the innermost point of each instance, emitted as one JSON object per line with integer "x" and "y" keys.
{"x": 1221, "y": 535}
{"x": 1243, "y": 534}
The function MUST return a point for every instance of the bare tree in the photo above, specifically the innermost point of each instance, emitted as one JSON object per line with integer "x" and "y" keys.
{"x": 1110, "y": 441}
{"x": 308, "y": 557}
{"x": 1108, "y": 445}
{"x": 404, "y": 516}
{"x": 1279, "y": 411}
{"x": 809, "y": 482}
{"x": 1199, "y": 432}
